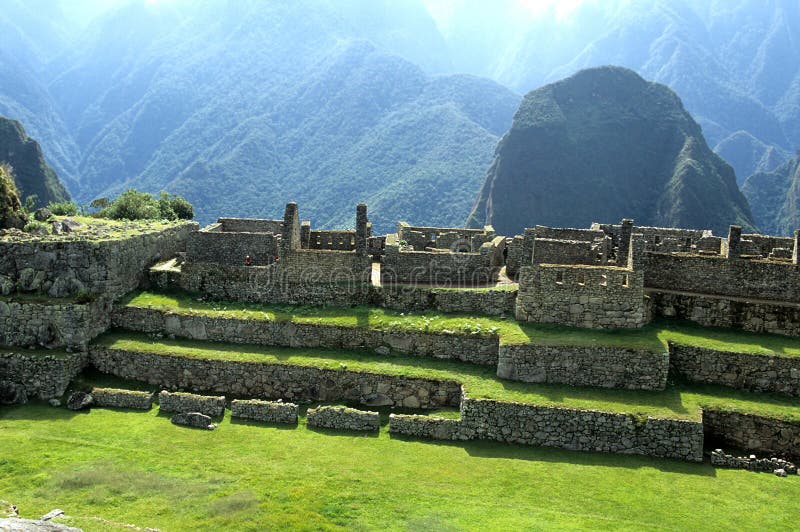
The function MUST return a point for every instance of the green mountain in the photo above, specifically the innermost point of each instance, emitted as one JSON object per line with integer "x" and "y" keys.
{"x": 775, "y": 198}
{"x": 32, "y": 174}
{"x": 602, "y": 145}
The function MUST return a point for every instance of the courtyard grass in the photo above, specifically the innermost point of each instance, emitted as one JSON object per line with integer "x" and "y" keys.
{"x": 110, "y": 468}
{"x": 682, "y": 401}
{"x": 653, "y": 337}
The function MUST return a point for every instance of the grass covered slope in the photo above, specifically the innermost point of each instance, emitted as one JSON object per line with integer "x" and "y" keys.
{"x": 653, "y": 337}
{"x": 677, "y": 402}
{"x": 109, "y": 467}
{"x": 775, "y": 198}
{"x": 602, "y": 145}
{"x": 32, "y": 174}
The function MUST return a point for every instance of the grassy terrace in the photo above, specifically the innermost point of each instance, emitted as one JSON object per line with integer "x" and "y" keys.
{"x": 653, "y": 337}
{"x": 679, "y": 402}
{"x": 96, "y": 229}
{"x": 108, "y": 469}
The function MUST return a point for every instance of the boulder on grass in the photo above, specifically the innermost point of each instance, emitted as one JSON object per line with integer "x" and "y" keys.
{"x": 79, "y": 401}
{"x": 193, "y": 419}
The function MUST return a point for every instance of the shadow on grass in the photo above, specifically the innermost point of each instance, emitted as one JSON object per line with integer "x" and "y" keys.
{"x": 263, "y": 424}
{"x": 344, "y": 432}
{"x": 507, "y": 451}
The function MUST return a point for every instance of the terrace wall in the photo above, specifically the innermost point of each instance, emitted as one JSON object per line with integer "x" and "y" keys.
{"x": 420, "y": 297}
{"x": 42, "y": 375}
{"x": 60, "y": 324}
{"x": 230, "y": 249}
{"x": 468, "y": 348}
{"x": 602, "y": 366}
{"x": 753, "y": 433}
{"x": 275, "y": 381}
{"x": 721, "y": 311}
{"x": 755, "y": 373}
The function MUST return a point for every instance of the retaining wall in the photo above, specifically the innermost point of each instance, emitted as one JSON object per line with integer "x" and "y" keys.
{"x": 466, "y": 301}
{"x": 42, "y": 375}
{"x": 582, "y": 430}
{"x": 475, "y": 349}
{"x": 275, "y": 381}
{"x": 426, "y": 427}
{"x": 52, "y": 325}
{"x": 716, "y": 311}
{"x": 753, "y": 433}
{"x": 603, "y": 366}
{"x": 755, "y": 373}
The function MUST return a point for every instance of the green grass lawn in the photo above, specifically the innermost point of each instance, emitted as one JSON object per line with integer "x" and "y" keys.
{"x": 107, "y": 468}
{"x": 653, "y": 337}
{"x": 682, "y": 401}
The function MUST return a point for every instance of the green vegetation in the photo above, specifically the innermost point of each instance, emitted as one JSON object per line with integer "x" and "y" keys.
{"x": 683, "y": 402}
{"x": 12, "y": 214}
{"x": 100, "y": 229}
{"x": 774, "y": 197}
{"x": 135, "y": 205}
{"x": 653, "y": 337}
{"x": 109, "y": 467}
{"x": 583, "y": 149}
{"x": 63, "y": 208}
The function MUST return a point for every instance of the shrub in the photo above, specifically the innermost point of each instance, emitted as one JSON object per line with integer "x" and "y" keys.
{"x": 83, "y": 297}
{"x": 37, "y": 228}
{"x": 63, "y": 208}
{"x": 100, "y": 203}
{"x": 11, "y": 212}
{"x": 135, "y": 205}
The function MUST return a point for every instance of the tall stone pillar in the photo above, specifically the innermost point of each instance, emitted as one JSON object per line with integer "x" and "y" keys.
{"x": 624, "y": 246}
{"x": 734, "y": 242}
{"x": 290, "y": 236}
{"x": 361, "y": 229}
{"x": 796, "y": 251}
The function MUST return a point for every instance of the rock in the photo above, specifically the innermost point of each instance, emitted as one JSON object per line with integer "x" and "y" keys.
{"x": 6, "y": 285}
{"x": 79, "y": 401}
{"x": 56, "y": 227}
{"x": 69, "y": 225}
{"x": 193, "y": 419}
{"x": 30, "y": 525}
{"x": 51, "y": 514}
{"x": 382, "y": 350}
{"x": 12, "y": 393}
{"x": 780, "y": 472}
{"x": 42, "y": 215}
{"x": 377, "y": 399}
{"x": 54, "y": 403}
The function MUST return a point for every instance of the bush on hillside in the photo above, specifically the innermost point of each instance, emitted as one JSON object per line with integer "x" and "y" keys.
{"x": 135, "y": 205}
{"x": 63, "y": 208}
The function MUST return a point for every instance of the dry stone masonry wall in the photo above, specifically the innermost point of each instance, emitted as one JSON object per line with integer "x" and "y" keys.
{"x": 59, "y": 324}
{"x": 266, "y": 411}
{"x": 755, "y": 373}
{"x": 42, "y": 375}
{"x": 114, "y": 398}
{"x": 603, "y": 366}
{"x": 753, "y": 433}
{"x": 342, "y": 418}
{"x": 187, "y": 402}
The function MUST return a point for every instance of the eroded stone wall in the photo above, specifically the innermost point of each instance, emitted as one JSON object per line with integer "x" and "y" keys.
{"x": 466, "y": 301}
{"x": 265, "y": 411}
{"x": 343, "y": 418}
{"x": 114, "y": 398}
{"x": 56, "y": 324}
{"x": 753, "y": 433}
{"x": 188, "y": 402}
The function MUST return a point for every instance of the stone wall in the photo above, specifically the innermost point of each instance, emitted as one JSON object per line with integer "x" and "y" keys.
{"x": 757, "y": 279}
{"x": 24, "y": 323}
{"x": 465, "y": 300}
{"x": 603, "y": 366}
{"x": 275, "y": 381}
{"x": 597, "y": 297}
{"x": 213, "y": 245}
{"x": 42, "y": 375}
{"x": 334, "y": 240}
{"x": 721, "y": 311}
{"x": 266, "y": 411}
{"x": 441, "y": 268}
{"x": 514, "y": 255}
{"x": 468, "y": 348}
{"x": 258, "y": 284}
{"x": 551, "y": 251}
{"x": 582, "y": 430}
{"x": 188, "y": 402}
{"x": 719, "y": 458}
{"x": 755, "y": 373}
{"x": 249, "y": 225}
{"x": 753, "y": 433}
{"x": 114, "y": 398}
{"x": 107, "y": 268}
{"x": 426, "y": 427}
{"x": 342, "y": 418}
